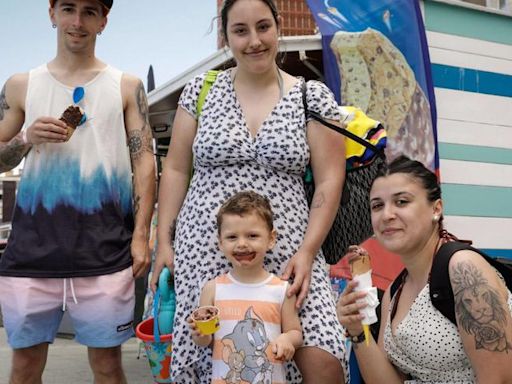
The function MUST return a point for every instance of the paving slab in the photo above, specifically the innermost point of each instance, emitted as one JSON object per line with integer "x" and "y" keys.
{"x": 68, "y": 363}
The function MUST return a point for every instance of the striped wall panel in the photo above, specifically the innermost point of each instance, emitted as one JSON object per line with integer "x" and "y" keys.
{"x": 472, "y": 75}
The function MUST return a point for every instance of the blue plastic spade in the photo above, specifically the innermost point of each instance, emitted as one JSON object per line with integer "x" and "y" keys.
{"x": 167, "y": 302}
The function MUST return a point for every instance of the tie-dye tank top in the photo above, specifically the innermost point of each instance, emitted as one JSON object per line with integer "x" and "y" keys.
{"x": 73, "y": 214}
{"x": 250, "y": 318}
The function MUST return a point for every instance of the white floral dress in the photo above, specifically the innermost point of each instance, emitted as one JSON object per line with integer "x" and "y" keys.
{"x": 227, "y": 159}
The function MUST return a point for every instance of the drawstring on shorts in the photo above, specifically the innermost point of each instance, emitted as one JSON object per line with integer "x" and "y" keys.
{"x": 64, "y": 295}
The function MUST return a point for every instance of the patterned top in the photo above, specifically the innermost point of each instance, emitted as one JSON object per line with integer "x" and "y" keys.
{"x": 73, "y": 214}
{"x": 250, "y": 318}
{"x": 227, "y": 159}
{"x": 427, "y": 345}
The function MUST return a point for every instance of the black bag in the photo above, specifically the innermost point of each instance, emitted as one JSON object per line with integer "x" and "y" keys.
{"x": 352, "y": 224}
{"x": 441, "y": 293}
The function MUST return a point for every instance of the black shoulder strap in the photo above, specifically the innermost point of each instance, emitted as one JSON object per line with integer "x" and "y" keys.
{"x": 396, "y": 283}
{"x": 344, "y": 132}
{"x": 441, "y": 292}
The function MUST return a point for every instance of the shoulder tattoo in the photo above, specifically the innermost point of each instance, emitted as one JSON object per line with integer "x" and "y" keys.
{"x": 480, "y": 310}
{"x": 3, "y": 104}
{"x": 142, "y": 102}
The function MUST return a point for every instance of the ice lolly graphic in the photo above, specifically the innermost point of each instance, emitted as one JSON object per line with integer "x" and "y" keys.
{"x": 361, "y": 270}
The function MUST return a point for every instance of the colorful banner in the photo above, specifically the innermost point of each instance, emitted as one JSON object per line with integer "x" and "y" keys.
{"x": 376, "y": 58}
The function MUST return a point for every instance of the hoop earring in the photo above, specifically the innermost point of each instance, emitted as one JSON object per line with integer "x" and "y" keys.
{"x": 54, "y": 26}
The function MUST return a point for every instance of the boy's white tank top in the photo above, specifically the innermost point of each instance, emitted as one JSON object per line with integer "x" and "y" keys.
{"x": 250, "y": 318}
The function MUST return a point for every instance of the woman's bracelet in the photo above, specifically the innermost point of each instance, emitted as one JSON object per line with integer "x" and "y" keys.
{"x": 355, "y": 339}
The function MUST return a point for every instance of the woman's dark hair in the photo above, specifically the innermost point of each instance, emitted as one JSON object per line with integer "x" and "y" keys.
{"x": 415, "y": 169}
{"x": 228, "y": 4}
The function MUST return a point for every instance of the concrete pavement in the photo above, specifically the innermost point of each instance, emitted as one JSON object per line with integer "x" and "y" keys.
{"x": 68, "y": 363}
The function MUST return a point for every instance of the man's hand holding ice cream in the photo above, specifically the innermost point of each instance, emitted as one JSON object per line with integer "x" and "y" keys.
{"x": 52, "y": 130}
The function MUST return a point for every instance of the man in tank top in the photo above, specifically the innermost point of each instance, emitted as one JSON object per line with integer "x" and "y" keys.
{"x": 81, "y": 222}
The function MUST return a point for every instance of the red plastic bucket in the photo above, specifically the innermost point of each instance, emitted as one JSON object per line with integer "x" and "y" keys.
{"x": 158, "y": 353}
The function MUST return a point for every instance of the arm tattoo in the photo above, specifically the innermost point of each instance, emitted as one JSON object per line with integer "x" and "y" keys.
{"x": 3, "y": 104}
{"x": 318, "y": 201}
{"x": 142, "y": 104}
{"x": 480, "y": 309}
{"x": 12, "y": 153}
{"x": 172, "y": 231}
{"x": 136, "y": 205}
{"x": 140, "y": 140}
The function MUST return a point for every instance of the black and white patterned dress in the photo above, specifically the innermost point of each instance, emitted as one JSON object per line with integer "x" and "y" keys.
{"x": 227, "y": 159}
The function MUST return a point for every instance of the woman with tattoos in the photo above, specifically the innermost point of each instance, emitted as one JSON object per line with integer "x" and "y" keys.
{"x": 83, "y": 209}
{"x": 252, "y": 134}
{"x": 417, "y": 343}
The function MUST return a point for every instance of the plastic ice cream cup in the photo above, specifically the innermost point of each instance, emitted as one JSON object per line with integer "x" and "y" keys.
{"x": 206, "y": 319}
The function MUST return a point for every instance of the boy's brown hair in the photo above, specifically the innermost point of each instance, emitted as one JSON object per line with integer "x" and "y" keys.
{"x": 244, "y": 203}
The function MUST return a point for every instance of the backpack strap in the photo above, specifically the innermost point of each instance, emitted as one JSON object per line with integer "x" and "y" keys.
{"x": 210, "y": 78}
{"x": 396, "y": 283}
{"x": 441, "y": 292}
{"x": 316, "y": 116}
{"x": 395, "y": 286}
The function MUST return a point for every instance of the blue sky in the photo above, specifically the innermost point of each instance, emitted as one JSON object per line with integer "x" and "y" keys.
{"x": 171, "y": 35}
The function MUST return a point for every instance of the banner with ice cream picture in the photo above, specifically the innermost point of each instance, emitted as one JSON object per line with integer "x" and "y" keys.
{"x": 376, "y": 58}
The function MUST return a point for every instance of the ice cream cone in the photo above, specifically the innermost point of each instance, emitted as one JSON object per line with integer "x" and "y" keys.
{"x": 359, "y": 260}
{"x": 70, "y": 132}
{"x": 72, "y": 116}
{"x": 360, "y": 268}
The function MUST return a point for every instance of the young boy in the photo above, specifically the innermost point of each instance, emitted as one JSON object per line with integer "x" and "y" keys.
{"x": 259, "y": 325}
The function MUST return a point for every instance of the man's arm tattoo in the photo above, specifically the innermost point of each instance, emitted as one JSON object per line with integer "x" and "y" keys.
{"x": 12, "y": 153}
{"x": 3, "y": 104}
{"x": 172, "y": 231}
{"x": 142, "y": 102}
{"x": 140, "y": 140}
{"x": 136, "y": 205}
{"x": 480, "y": 309}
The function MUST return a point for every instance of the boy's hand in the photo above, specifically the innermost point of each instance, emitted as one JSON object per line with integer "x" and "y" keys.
{"x": 197, "y": 336}
{"x": 282, "y": 348}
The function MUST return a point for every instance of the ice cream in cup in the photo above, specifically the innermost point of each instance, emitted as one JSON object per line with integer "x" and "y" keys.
{"x": 206, "y": 319}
